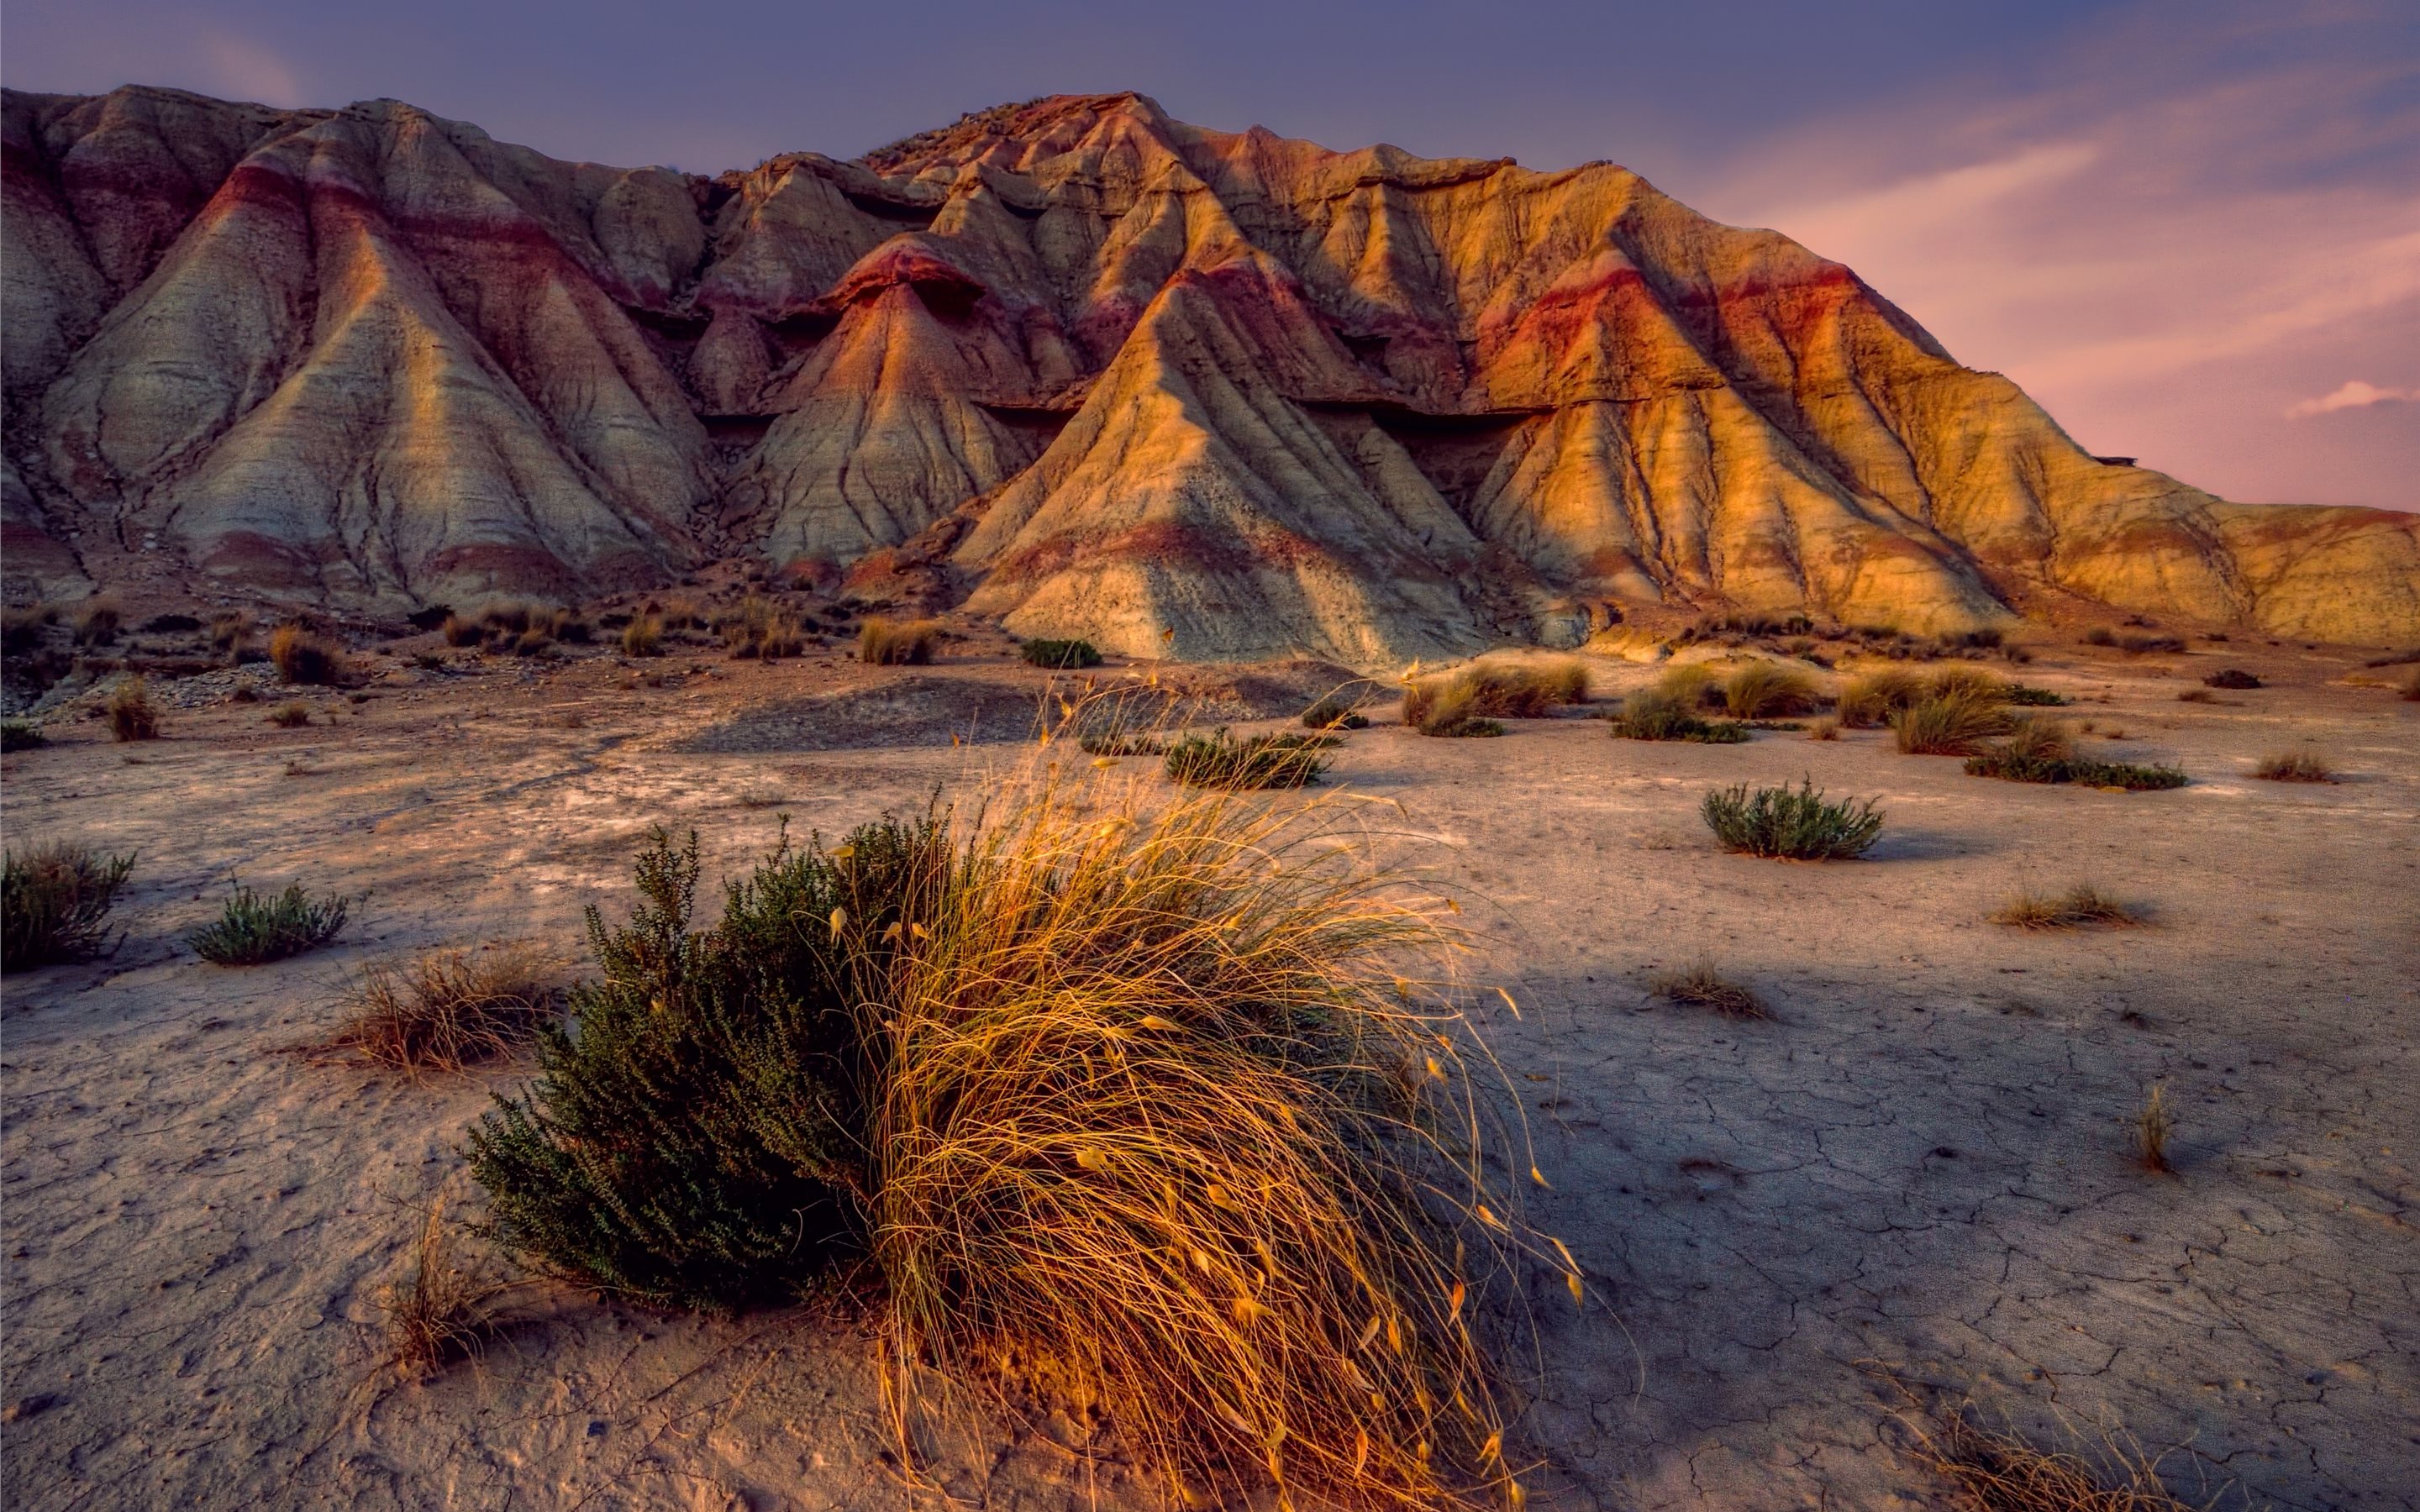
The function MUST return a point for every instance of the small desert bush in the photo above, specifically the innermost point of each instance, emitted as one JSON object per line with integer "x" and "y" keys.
{"x": 1217, "y": 760}
{"x": 1140, "y": 1103}
{"x": 55, "y": 902}
{"x": 290, "y": 716}
{"x": 1823, "y": 730}
{"x": 229, "y": 629}
{"x": 2233, "y": 678}
{"x": 1950, "y": 721}
{"x": 2153, "y": 1127}
{"x": 253, "y": 930}
{"x": 1700, "y": 985}
{"x": 644, "y": 637}
{"x": 1762, "y": 690}
{"x": 1492, "y": 690}
{"x": 755, "y": 627}
{"x": 20, "y": 735}
{"x": 530, "y": 643}
{"x": 2042, "y": 698}
{"x": 1659, "y": 715}
{"x": 1452, "y": 712}
{"x": 459, "y": 631}
{"x": 2078, "y": 907}
{"x": 134, "y": 714}
{"x": 1691, "y": 685}
{"x": 2022, "y": 758}
{"x": 300, "y": 657}
{"x": 1792, "y": 824}
{"x": 98, "y": 623}
{"x": 1062, "y": 654}
{"x": 1871, "y": 697}
{"x": 1339, "y": 710}
{"x": 896, "y": 642}
{"x": 2295, "y": 767}
{"x": 448, "y": 1010}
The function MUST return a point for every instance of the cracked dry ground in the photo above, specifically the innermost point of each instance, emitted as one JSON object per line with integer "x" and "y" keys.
{"x": 1922, "y": 1160}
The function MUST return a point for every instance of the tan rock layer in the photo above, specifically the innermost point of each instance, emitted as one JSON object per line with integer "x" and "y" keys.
{"x": 1187, "y": 393}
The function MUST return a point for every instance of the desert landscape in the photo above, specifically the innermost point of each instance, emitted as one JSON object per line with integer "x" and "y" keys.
{"x": 1366, "y": 831}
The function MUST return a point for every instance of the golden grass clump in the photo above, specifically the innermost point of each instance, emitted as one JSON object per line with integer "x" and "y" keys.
{"x": 1763, "y": 691}
{"x": 2295, "y": 767}
{"x": 1162, "y": 1124}
{"x": 2078, "y": 906}
{"x": 1700, "y": 985}
{"x": 1999, "y": 1470}
{"x": 1484, "y": 691}
{"x": 449, "y": 1009}
{"x": 300, "y": 657}
{"x": 1950, "y": 721}
{"x": 440, "y": 1313}
{"x": 1871, "y": 697}
{"x": 134, "y": 714}
{"x": 2153, "y": 1127}
{"x": 897, "y": 642}
{"x": 644, "y": 637}
{"x": 1823, "y": 730}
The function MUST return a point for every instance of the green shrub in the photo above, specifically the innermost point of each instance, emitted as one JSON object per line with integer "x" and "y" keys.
{"x": 20, "y": 735}
{"x": 1795, "y": 824}
{"x": 2041, "y": 698}
{"x": 1062, "y": 654}
{"x": 699, "y": 1138}
{"x": 1339, "y": 710}
{"x": 2234, "y": 679}
{"x": 2019, "y": 767}
{"x": 254, "y": 930}
{"x": 55, "y": 902}
{"x": 1659, "y": 715}
{"x": 1274, "y": 760}
{"x": 134, "y": 714}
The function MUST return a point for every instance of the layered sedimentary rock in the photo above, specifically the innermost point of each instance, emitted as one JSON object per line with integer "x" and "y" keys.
{"x": 1184, "y": 391}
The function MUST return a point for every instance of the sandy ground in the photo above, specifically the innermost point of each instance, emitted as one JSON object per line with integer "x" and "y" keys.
{"x": 1921, "y": 1161}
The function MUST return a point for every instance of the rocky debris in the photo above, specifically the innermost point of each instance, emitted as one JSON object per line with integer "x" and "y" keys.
{"x": 1189, "y": 394}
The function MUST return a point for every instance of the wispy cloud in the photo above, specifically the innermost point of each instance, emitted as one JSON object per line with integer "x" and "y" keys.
{"x": 2170, "y": 262}
{"x": 2353, "y": 394}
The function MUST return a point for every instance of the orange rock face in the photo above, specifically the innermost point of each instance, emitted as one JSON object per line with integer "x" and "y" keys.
{"x": 1182, "y": 392}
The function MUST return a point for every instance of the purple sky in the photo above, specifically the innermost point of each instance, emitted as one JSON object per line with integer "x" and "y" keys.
{"x": 2190, "y": 228}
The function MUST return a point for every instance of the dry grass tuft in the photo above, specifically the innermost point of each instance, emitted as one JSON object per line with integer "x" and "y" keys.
{"x": 444, "y": 1310}
{"x": 290, "y": 716}
{"x": 1950, "y": 721}
{"x": 1871, "y": 697}
{"x": 2295, "y": 767}
{"x": 55, "y": 902}
{"x": 2153, "y": 1126}
{"x": 644, "y": 637}
{"x": 449, "y": 1009}
{"x": 2078, "y": 906}
{"x": 1762, "y": 690}
{"x": 1164, "y": 1126}
{"x": 1999, "y": 1470}
{"x": 98, "y": 623}
{"x": 300, "y": 657}
{"x": 134, "y": 714}
{"x": 1699, "y": 985}
{"x": 1823, "y": 730}
{"x": 1486, "y": 692}
{"x": 2197, "y": 695}
{"x": 897, "y": 643}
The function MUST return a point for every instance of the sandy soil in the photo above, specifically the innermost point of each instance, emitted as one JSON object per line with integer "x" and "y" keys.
{"x": 1922, "y": 1160}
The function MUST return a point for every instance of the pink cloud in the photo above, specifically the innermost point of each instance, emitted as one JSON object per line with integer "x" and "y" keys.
{"x": 2354, "y": 394}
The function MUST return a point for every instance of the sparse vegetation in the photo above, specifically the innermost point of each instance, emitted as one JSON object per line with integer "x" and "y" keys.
{"x": 1792, "y": 824}
{"x": 1657, "y": 714}
{"x": 290, "y": 716}
{"x": 1062, "y": 654}
{"x": 1486, "y": 692}
{"x": 300, "y": 657}
{"x": 644, "y": 637}
{"x": 897, "y": 643}
{"x": 2100, "y": 635}
{"x": 134, "y": 714}
{"x": 229, "y": 629}
{"x": 1998, "y": 1471}
{"x": 1219, "y": 760}
{"x": 755, "y": 628}
{"x": 1950, "y": 721}
{"x": 2043, "y": 751}
{"x": 254, "y": 930}
{"x": 1700, "y": 985}
{"x": 1823, "y": 730}
{"x": 1762, "y": 690}
{"x": 20, "y": 735}
{"x": 2295, "y": 767}
{"x": 2153, "y": 1127}
{"x": 2138, "y": 645}
{"x": 448, "y": 1010}
{"x": 2078, "y": 907}
{"x": 98, "y": 623}
{"x": 2039, "y": 698}
{"x": 941, "y": 1053}
{"x": 1339, "y": 710}
{"x": 22, "y": 629}
{"x": 460, "y": 632}
{"x": 55, "y": 902}
{"x": 1872, "y": 698}
{"x": 2233, "y": 679}
{"x": 2197, "y": 695}
{"x": 438, "y": 1314}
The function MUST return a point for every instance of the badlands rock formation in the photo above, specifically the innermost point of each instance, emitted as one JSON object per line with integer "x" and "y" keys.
{"x": 1087, "y": 368}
